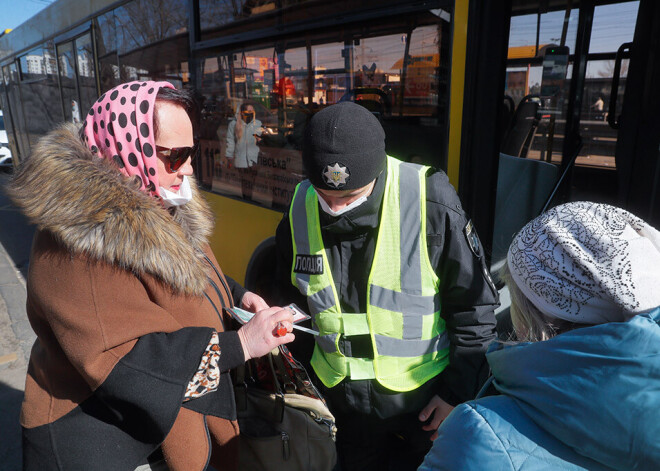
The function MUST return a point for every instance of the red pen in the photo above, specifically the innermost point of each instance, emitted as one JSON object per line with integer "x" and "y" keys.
{"x": 280, "y": 330}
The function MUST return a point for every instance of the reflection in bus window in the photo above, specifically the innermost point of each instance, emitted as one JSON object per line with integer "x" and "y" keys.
{"x": 40, "y": 98}
{"x": 106, "y": 43}
{"x": 106, "y": 33}
{"x": 138, "y": 25}
{"x": 224, "y": 18}
{"x": 248, "y": 122}
{"x": 68, "y": 81}
{"x": 86, "y": 71}
{"x": 397, "y": 74}
{"x": 20, "y": 129}
{"x": 9, "y": 113}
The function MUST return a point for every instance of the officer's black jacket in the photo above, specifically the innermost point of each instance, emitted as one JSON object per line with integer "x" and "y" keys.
{"x": 468, "y": 297}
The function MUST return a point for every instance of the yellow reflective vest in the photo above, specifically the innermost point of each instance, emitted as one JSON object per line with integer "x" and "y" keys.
{"x": 403, "y": 320}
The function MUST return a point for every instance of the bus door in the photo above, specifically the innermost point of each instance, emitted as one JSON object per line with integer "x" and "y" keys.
{"x": 558, "y": 143}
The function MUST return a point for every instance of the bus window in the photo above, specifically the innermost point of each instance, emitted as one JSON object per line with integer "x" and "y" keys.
{"x": 398, "y": 73}
{"x": 39, "y": 91}
{"x": 138, "y": 25}
{"x": 399, "y": 83}
{"x": 109, "y": 71}
{"x": 251, "y": 103}
{"x": 8, "y": 114}
{"x": 106, "y": 41}
{"x": 599, "y": 139}
{"x": 146, "y": 46}
{"x": 224, "y": 19}
{"x": 68, "y": 82}
{"x": 86, "y": 71}
{"x": 22, "y": 149}
{"x": 167, "y": 60}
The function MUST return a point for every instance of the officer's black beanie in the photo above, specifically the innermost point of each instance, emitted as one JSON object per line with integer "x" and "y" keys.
{"x": 348, "y": 138}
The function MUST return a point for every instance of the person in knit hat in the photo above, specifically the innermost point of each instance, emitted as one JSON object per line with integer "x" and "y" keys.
{"x": 393, "y": 274}
{"x": 580, "y": 389}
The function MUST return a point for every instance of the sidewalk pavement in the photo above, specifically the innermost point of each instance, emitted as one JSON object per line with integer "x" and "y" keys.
{"x": 16, "y": 339}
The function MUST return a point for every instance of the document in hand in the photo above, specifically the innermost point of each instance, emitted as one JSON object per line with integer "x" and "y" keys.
{"x": 243, "y": 316}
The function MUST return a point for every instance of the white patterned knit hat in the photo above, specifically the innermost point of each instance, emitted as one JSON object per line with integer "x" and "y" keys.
{"x": 588, "y": 263}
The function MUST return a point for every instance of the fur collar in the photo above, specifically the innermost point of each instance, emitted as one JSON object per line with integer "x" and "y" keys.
{"x": 94, "y": 210}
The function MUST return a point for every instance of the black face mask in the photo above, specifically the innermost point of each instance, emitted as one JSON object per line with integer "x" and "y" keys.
{"x": 247, "y": 117}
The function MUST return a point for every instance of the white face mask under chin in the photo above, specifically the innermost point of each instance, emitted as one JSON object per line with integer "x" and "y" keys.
{"x": 179, "y": 198}
{"x": 345, "y": 209}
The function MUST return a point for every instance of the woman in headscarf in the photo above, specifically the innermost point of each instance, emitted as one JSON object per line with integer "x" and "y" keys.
{"x": 133, "y": 350}
{"x": 581, "y": 387}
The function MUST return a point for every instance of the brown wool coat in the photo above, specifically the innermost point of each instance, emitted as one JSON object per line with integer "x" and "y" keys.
{"x": 109, "y": 267}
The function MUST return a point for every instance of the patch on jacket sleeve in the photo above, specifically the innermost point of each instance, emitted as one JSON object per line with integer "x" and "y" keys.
{"x": 308, "y": 264}
{"x": 472, "y": 238}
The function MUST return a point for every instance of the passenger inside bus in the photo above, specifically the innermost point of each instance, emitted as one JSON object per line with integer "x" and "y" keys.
{"x": 579, "y": 387}
{"x": 369, "y": 268}
{"x": 126, "y": 297}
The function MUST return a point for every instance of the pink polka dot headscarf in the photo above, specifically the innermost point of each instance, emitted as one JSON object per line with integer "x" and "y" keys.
{"x": 120, "y": 126}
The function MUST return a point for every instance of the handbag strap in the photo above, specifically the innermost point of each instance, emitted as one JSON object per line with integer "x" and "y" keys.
{"x": 284, "y": 373}
{"x": 274, "y": 370}
{"x": 240, "y": 384}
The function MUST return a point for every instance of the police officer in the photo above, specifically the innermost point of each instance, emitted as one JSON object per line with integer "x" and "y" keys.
{"x": 393, "y": 274}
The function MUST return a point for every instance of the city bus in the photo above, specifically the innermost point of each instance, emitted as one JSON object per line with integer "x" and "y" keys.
{"x": 524, "y": 104}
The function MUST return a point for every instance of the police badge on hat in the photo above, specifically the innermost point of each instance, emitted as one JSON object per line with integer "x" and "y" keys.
{"x": 336, "y": 176}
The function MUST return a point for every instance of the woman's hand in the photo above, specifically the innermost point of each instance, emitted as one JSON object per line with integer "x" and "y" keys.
{"x": 253, "y": 302}
{"x": 259, "y": 335}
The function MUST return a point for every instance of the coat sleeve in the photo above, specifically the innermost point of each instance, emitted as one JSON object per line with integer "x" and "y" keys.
{"x": 469, "y": 297}
{"x": 467, "y": 442}
{"x": 135, "y": 357}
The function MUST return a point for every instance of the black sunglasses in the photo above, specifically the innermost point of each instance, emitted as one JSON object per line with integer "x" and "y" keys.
{"x": 175, "y": 157}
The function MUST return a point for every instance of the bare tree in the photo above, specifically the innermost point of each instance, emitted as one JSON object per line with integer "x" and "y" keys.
{"x": 143, "y": 22}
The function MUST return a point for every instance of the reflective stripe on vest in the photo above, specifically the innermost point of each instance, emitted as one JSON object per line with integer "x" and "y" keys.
{"x": 403, "y": 303}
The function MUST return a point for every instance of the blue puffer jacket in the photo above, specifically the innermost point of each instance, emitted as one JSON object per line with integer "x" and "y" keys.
{"x": 586, "y": 399}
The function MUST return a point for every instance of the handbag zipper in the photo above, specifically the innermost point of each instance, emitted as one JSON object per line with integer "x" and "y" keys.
{"x": 285, "y": 446}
